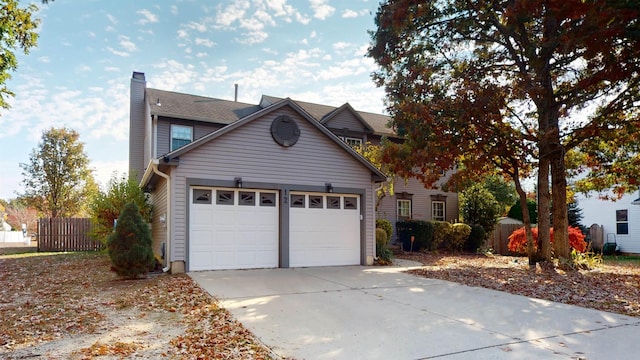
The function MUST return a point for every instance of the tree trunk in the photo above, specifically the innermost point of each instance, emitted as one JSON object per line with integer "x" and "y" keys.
{"x": 544, "y": 224}
{"x": 560, "y": 215}
{"x": 526, "y": 218}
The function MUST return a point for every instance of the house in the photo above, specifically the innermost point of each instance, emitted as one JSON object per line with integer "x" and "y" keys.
{"x": 277, "y": 184}
{"x": 620, "y": 219}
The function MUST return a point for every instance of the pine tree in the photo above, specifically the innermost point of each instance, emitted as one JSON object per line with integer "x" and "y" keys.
{"x": 130, "y": 245}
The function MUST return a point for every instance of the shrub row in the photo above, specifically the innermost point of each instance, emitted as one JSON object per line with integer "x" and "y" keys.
{"x": 435, "y": 235}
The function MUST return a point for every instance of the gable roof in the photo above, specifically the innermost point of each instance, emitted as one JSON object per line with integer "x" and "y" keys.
{"x": 346, "y": 108}
{"x": 376, "y": 122}
{"x": 194, "y": 107}
{"x": 377, "y": 175}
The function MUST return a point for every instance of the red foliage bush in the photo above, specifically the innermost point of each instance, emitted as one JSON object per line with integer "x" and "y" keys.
{"x": 518, "y": 240}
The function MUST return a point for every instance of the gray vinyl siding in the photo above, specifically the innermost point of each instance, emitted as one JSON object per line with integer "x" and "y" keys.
{"x": 200, "y": 129}
{"x": 137, "y": 126}
{"x": 265, "y": 161}
{"x": 346, "y": 120}
{"x": 420, "y": 203}
{"x": 159, "y": 230}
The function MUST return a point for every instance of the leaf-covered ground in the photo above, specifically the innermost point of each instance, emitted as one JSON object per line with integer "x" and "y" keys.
{"x": 70, "y": 306}
{"x": 613, "y": 287}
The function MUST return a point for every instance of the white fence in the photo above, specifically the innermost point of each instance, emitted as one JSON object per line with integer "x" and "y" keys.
{"x": 14, "y": 237}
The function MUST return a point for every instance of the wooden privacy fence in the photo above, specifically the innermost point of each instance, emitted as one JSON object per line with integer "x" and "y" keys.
{"x": 499, "y": 239}
{"x": 66, "y": 234}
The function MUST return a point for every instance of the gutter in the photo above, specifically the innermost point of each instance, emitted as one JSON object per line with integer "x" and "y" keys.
{"x": 154, "y": 167}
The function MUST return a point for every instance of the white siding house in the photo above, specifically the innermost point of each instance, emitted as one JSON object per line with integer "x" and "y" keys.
{"x": 620, "y": 219}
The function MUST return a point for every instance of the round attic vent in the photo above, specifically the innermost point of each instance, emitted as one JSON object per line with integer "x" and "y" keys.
{"x": 285, "y": 131}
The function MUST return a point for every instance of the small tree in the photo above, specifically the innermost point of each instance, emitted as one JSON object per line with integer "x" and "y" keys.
{"x": 479, "y": 207}
{"x": 106, "y": 205}
{"x": 130, "y": 245}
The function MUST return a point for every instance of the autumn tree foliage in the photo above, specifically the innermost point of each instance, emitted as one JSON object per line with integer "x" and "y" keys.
{"x": 514, "y": 86}
{"x": 107, "y": 205}
{"x": 58, "y": 181}
{"x": 130, "y": 244}
{"x": 17, "y": 32}
{"x": 518, "y": 242}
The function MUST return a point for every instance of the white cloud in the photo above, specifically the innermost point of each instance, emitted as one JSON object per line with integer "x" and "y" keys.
{"x": 127, "y": 44}
{"x": 112, "y": 19}
{"x": 182, "y": 34}
{"x": 232, "y": 13}
{"x": 44, "y": 59}
{"x": 174, "y": 10}
{"x": 341, "y": 45}
{"x": 252, "y": 38}
{"x": 147, "y": 17}
{"x": 201, "y": 27}
{"x": 117, "y": 52}
{"x": 349, "y": 14}
{"x": 321, "y": 10}
{"x": 83, "y": 69}
{"x": 204, "y": 42}
{"x": 112, "y": 69}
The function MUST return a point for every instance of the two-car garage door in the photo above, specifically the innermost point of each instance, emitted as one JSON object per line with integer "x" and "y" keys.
{"x": 239, "y": 229}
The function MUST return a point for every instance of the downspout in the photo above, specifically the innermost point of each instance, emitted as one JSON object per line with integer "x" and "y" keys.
{"x": 154, "y": 167}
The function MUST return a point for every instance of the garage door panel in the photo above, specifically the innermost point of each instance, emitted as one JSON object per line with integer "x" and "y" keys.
{"x": 233, "y": 232}
{"x": 324, "y": 236}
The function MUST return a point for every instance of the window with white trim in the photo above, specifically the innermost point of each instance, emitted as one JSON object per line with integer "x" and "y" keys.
{"x": 622, "y": 222}
{"x": 438, "y": 210}
{"x": 404, "y": 209}
{"x": 180, "y": 136}
{"x": 351, "y": 141}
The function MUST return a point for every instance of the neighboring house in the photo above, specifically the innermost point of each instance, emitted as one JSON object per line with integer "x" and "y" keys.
{"x": 238, "y": 186}
{"x": 620, "y": 219}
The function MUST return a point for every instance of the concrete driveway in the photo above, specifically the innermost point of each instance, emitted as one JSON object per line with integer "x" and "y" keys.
{"x": 360, "y": 312}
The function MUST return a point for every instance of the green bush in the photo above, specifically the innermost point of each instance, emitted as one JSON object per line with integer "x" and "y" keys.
{"x": 516, "y": 211}
{"x": 106, "y": 205}
{"x": 130, "y": 245}
{"x": 386, "y": 226}
{"x": 382, "y": 251}
{"x": 476, "y": 239}
{"x": 441, "y": 234}
{"x": 422, "y": 231}
{"x": 479, "y": 207}
{"x": 458, "y": 236}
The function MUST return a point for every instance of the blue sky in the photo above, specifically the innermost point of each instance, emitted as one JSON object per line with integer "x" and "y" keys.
{"x": 78, "y": 77}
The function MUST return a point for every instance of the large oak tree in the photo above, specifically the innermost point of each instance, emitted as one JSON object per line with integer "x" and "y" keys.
{"x": 513, "y": 85}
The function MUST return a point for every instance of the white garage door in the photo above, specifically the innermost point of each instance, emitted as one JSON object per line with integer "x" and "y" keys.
{"x": 232, "y": 229}
{"x": 325, "y": 229}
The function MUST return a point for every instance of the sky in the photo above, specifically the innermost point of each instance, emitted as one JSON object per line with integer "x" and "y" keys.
{"x": 78, "y": 77}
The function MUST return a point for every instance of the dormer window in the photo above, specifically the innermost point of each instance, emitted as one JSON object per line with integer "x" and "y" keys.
{"x": 180, "y": 136}
{"x": 351, "y": 141}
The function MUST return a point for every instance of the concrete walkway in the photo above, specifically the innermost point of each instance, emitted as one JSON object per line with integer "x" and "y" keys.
{"x": 381, "y": 313}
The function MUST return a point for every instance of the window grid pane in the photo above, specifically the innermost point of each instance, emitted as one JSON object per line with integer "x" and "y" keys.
{"x": 437, "y": 210}
{"x": 404, "y": 208}
{"x": 180, "y": 136}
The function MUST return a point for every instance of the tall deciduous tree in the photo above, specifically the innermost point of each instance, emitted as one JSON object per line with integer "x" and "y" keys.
{"x": 474, "y": 82}
{"x": 57, "y": 179}
{"x": 17, "y": 32}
